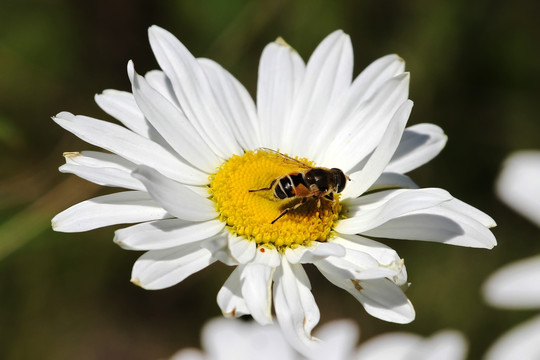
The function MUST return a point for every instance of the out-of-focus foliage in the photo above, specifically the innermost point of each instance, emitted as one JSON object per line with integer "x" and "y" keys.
{"x": 474, "y": 72}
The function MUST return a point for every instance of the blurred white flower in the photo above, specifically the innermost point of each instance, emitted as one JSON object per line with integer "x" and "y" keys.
{"x": 517, "y": 285}
{"x": 194, "y": 145}
{"x": 224, "y": 339}
{"x": 518, "y": 184}
{"x": 443, "y": 345}
{"x": 229, "y": 339}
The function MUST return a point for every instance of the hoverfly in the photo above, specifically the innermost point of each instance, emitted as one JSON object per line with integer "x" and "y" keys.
{"x": 311, "y": 183}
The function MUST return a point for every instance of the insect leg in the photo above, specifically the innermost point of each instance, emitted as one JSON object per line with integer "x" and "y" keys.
{"x": 289, "y": 209}
{"x": 266, "y": 188}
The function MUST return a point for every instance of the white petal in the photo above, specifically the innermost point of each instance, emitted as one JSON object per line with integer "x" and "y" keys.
{"x": 356, "y": 97}
{"x": 175, "y": 197}
{"x": 118, "y": 208}
{"x": 267, "y": 256}
{"x": 159, "y": 81}
{"x": 420, "y": 143}
{"x": 188, "y": 354}
{"x": 296, "y": 310}
{"x": 159, "y": 269}
{"x": 363, "y": 179}
{"x": 380, "y": 297}
{"x": 235, "y": 102}
{"x": 444, "y": 223}
{"x": 256, "y": 290}
{"x": 384, "y": 255}
{"x": 194, "y": 92}
{"x": 281, "y": 71}
{"x": 472, "y": 212}
{"x": 395, "y": 346}
{"x": 370, "y": 211}
{"x": 164, "y": 234}
{"x": 122, "y": 106}
{"x": 345, "y": 268}
{"x": 102, "y": 169}
{"x": 358, "y": 134}
{"x": 172, "y": 124}
{"x": 374, "y": 76}
{"x": 229, "y": 298}
{"x": 317, "y": 251}
{"x": 445, "y": 345}
{"x": 519, "y": 184}
{"x": 515, "y": 286}
{"x": 521, "y": 342}
{"x": 327, "y": 78}
{"x": 131, "y": 146}
{"x": 241, "y": 249}
{"x": 338, "y": 338}
{"x": 390, "y": 180}
{"x": 227, "y": 339}
{"x": 358, "y": 263}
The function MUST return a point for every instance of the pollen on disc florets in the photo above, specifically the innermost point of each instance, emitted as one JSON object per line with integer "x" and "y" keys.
{"x": 250, "y": 214}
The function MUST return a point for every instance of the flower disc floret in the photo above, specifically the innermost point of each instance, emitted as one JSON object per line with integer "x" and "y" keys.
{"x": 250, "y": 214}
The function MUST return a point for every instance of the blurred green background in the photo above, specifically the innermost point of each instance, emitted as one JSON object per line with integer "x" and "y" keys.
{"x": 475, "y": 73}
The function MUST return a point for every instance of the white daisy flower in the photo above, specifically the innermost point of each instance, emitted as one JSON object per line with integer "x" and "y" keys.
{"x": 517, "y": 285}
{"x": 227, "y": 339}
{"x": 443, "y": 345}
{"x": 195, "y": 146}
{"x": 224, "y": 339}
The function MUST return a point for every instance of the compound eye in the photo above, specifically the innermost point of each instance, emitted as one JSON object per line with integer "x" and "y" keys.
{"x": 340, "y": 179}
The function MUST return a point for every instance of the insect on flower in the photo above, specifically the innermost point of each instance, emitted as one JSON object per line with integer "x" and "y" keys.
{"x": 311, "y": 183}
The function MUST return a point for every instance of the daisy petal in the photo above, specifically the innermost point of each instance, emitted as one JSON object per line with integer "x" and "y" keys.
{"x": 256, "y": 290}
{"x": 102, "y": 169}
{"x": 350, "y": 146}
{"x": 420, "y": 144}
{"x": 229, "y": 298}
{"x": 518, "y": 184}
{"x": 361, "y": 90}
{"x": 131, "y": 146}
{"x": 281, "y": 71}
{"x": 267, "y": 256}
{"x": 370, "y": 211}
{"x": 390, "y": 180}
{"x": 241, "y": 249}
{"x": 295, "y": 307}
{"x": 374, "y": 75}
{"x": 472, "y": 212}
{"x": 327, "y": 78}
{"x": 159, "y": 81}
{"x": 164, "y": 234}
{"x": 175, "y": 197}
{"x": 228, "y": 339}
{"x": 338, "y": 340}
{"x": 235, "y": 103}
{"x": 159, "y": 269}
{"x": 444, "y": 223}
{"x": 445, "y": 345}
{"x": 515, "y": 286}
{"x": 357, "y": 265}
{"x": 194, "y": 92}
{"x": 344, "y": 268}
{"x": 363, "y": 179}
{"x": 316, "y": 251}
{"x": 171, "y": 123}
{"x": 384, "y": 255}
{"x": 122, "y": 106}
{"x": 520, "y": 342}
{"x": 118, "y": 208}
{"x": 379, "y": 297}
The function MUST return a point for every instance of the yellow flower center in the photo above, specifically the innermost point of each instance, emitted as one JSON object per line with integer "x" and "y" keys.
{"x": 250, "y": 214}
